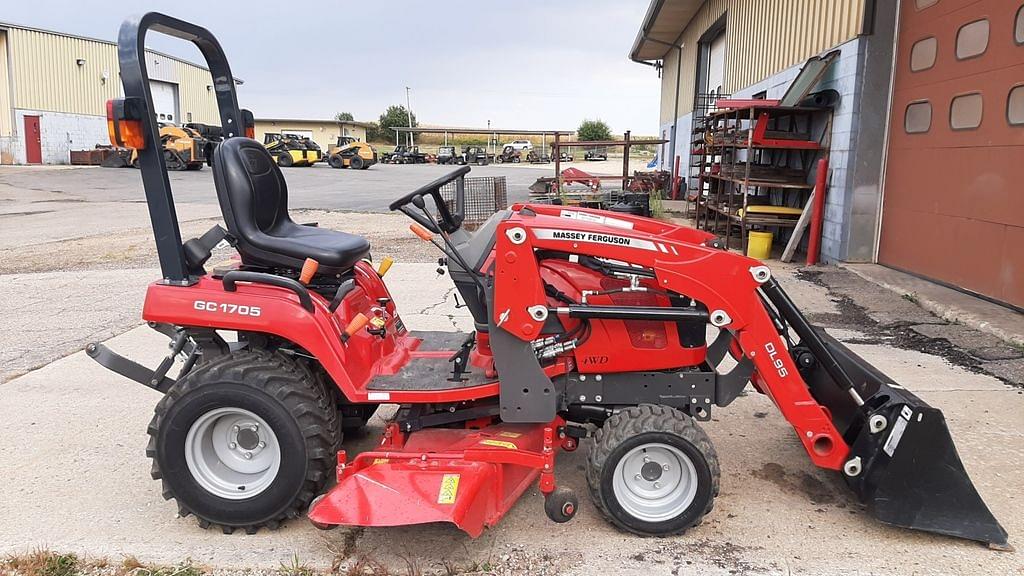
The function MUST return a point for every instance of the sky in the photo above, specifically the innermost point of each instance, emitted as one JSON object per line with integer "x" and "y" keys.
{"x": 525, "y": 64}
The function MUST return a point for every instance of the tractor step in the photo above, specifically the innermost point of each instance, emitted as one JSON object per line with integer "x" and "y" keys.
{"x": 467, "y": 477}
{"x": 431, "y": 366}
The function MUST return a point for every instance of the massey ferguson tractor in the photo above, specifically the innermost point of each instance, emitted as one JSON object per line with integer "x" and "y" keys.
{"x": 588, "y": 326}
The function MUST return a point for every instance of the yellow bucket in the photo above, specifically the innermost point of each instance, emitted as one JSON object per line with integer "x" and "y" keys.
{"x": 759, "y": 245}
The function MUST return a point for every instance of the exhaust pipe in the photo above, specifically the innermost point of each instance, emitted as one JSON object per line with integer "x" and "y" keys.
{"x": 903, "y": 463}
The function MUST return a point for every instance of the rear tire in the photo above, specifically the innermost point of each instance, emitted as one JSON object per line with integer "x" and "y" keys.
{"x": 355, "y": 163}
{"x": 652, "y": 471}
{"x": 284, "y": 160}
{"x": 245, "y": 420}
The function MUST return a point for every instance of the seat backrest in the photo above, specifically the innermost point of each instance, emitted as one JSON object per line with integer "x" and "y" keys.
{"x": 250, "y": 187}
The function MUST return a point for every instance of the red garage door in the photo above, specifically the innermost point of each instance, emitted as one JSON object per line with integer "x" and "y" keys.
{"x": 954, "y": 183}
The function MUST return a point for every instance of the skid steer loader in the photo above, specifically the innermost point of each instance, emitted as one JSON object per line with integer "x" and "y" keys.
{"x": 351, "y": 153}
{"x": 587, "y": 324}
{"x": 291, "y": 150}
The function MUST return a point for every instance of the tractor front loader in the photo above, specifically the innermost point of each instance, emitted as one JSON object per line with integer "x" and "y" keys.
{"x": 588, "y": 324}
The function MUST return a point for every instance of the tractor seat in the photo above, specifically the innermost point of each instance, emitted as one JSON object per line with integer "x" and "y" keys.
{"x": 254, "y": 200}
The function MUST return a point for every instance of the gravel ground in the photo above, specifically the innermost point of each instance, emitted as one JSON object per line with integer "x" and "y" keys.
{"x": 389, "y": 235}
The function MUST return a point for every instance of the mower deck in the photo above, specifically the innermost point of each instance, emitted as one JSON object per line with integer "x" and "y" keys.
{"x": 467, "y": 477}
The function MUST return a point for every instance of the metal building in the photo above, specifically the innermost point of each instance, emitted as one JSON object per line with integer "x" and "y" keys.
{"x": 927, "y": 134}
{"x": 54, "y": 87}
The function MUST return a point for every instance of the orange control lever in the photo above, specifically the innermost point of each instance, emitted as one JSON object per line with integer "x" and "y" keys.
{"x": 308, "y": 270}
{"x": 354, "y": 326}
{"x": 421, "y": 232}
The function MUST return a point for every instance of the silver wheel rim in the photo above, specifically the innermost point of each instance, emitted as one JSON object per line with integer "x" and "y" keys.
{"x": 232, "y": 453}
{"x": 655, "y": 482}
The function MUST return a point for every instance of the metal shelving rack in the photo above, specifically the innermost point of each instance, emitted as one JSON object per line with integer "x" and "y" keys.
{"x": 758, "y": 155}
{"x": 703, "y": 106}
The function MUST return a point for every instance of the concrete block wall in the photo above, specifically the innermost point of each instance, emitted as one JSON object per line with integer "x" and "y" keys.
{"x": 844, "y": 77}
{"x": 60, "y": 134}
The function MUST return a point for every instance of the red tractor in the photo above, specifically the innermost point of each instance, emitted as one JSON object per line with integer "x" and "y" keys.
{"x": 587, "y": 325}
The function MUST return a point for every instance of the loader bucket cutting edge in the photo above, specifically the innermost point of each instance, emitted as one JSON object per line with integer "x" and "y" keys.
{"x": 903, "y": 463}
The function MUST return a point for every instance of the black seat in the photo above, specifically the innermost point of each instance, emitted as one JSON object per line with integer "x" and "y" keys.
{"x": 254, "y": 199}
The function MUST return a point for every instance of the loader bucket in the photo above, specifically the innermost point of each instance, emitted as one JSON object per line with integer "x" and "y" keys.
{"x": 903, "y": 464}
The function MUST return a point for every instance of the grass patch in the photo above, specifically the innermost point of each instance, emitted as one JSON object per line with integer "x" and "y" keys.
{"x": 132, "y": 567}
{"x": 910, "y": 297}
{"x": 42, "y": 562}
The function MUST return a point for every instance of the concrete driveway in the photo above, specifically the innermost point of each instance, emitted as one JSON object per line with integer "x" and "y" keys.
{"x": 75, "y": 478}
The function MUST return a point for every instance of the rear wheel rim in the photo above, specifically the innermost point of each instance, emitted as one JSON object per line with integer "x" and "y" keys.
{"x": 232, "y": 453}
{"x": 655, "y": 482}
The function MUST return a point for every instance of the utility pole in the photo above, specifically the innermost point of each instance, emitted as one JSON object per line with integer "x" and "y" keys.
{"x": 408, "y": 110}
{"x": 490, "y": 137}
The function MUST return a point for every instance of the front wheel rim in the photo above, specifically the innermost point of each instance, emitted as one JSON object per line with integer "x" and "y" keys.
{"x": 655, "y": 482}
{"x": 232, "y": 453}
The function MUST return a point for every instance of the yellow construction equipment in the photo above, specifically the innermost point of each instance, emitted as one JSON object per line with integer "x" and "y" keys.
{"x": 184, "y": 149}
{"x": 292, "y": 150}
{"x": 351, "y": 153}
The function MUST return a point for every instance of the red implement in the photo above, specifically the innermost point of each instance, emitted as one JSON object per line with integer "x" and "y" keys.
{"x": 468, "y": 477}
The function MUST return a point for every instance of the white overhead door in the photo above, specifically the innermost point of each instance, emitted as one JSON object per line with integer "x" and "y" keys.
{"x": 716, "y": 64}
{"x": 165, "y": 100}
{"x": 299, "y": 133}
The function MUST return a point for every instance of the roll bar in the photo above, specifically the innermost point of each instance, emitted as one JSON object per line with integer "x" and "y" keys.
{"x": 131, "y": 53}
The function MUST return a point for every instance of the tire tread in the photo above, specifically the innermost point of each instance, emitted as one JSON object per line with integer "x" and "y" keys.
{"x": 296, "y": 388}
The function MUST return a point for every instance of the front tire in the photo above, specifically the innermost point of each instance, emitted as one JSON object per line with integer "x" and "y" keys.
{"x": 336, "y": 162}
{"x": 652, "y": 471}
{"x": 285, "y": 160}
{"x": 244, "y": 441}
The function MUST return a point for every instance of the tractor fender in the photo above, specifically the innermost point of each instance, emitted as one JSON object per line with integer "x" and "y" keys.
{"x": 277, "y": 311}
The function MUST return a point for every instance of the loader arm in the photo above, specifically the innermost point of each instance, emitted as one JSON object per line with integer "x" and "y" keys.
{"x": 893, "y": 449}
{"x": 726, "y": 283}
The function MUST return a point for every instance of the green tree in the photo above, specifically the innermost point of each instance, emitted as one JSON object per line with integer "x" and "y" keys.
{"x": 594, "y": 130}
{"x": 344, "y": 117}
{"x": 393, "y": 117}
{"x": 373, "y": 133}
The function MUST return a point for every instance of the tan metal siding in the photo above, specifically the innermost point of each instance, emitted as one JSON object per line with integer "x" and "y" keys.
{"x": 46, "y": 76}
{"x": 6, "y": 112}
{"x": 668, "y": 82}
{"x": 193, "y": 97}
{"x": 763, "y": 37}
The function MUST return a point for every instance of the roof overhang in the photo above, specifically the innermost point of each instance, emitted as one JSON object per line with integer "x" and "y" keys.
{"x": 662, "y": 27}
{"x": 315, "y": 121}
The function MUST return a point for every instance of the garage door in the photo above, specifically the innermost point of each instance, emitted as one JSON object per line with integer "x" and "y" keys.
{"x": 165, "y": 100}
{"x": 300, "y": 133}
{"x": 954, "y": 200}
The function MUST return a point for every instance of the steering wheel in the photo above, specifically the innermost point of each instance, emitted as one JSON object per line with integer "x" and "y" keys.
{"x": 449, "y": 222}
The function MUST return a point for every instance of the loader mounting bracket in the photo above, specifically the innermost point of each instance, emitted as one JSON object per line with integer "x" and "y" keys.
{"x": 692, "y": 392}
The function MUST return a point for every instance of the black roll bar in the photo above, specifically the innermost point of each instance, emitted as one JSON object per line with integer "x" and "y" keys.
{"x": 131, "y": 53}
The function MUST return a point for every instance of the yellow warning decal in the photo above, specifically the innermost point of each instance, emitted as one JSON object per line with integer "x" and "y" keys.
{"x": 501, "y": 443}
{"x": 510, "y": 434}
{"x": 380, "y": 461}
{"x": 449, "y": 489}
{"x": 378, "y": 322}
